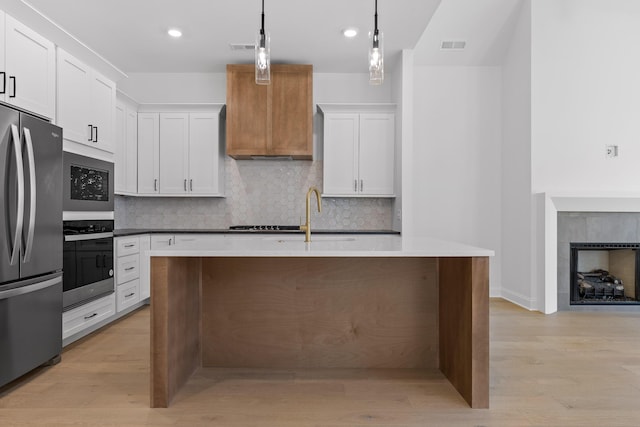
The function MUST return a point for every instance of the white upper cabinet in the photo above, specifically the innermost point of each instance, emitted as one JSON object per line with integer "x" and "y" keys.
{"x": 126, "y": 149}
{"x": 86, "y": 104}
{"x": 27, "y": 68}
{"x": 206, "y": 156}
{"x": 359, "y": 150}
{"x": 174, "y": 153}
{"x": 179, "y": 154}
{"x": 148, "y": 153}
{"x": 376, "y": 154}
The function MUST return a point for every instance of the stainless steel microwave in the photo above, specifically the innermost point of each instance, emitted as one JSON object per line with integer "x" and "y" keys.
{"x": 88, "y": 183}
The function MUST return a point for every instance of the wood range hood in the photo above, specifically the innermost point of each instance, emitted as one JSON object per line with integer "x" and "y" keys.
{"x": 272, "y": 121}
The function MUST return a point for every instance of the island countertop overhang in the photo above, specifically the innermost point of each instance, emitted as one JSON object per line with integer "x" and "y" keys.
{"x": 327, "y": 245}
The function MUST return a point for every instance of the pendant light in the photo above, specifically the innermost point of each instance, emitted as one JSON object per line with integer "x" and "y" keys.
{"x": 376, "y": 53}
{"x": 263, "y": 55}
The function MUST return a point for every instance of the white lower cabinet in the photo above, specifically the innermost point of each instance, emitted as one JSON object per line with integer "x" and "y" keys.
{"x": 127, "y": 268}
{"x": 128, "y": 294}
{"x": 87, "y": 315}
{"x": 162, "y": 241}
{"x": 145, "y": 267}
{"x": 127, "y": 271}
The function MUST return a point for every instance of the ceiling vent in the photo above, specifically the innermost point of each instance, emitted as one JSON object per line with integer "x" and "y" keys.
{"x": 453, "y": 45}
{"x": 242, "y": 46}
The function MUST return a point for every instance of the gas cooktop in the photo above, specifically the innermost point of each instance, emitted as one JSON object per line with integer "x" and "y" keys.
{"x": 263, "y": 228}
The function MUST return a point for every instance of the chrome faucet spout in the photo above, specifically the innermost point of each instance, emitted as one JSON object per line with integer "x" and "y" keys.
{"x": 307, "y": 225}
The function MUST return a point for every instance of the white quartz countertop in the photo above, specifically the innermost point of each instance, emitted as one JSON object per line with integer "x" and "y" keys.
{"x": 325, "y": 245}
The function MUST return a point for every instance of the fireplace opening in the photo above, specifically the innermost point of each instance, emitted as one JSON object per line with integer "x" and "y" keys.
{"x": 605, "y": 273}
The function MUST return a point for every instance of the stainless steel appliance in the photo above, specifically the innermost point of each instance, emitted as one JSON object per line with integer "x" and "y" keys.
{"x": 30, "y": 242}
{"x": 88, "y": 184}
{"x": 88, "y": 261}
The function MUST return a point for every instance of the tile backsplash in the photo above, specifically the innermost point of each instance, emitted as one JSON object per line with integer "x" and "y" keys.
{"x": 257, "y": 192}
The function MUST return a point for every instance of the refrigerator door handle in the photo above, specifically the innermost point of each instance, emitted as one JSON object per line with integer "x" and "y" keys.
{"x": 32, "y": 202}
{"x": 29, "y": 288}
{"x": 17, "y": 146}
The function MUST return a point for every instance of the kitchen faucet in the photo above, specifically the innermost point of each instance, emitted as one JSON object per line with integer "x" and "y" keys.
{"x": 307, "y": 225}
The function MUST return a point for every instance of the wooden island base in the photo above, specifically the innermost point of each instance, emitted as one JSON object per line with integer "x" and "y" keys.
{"x": 303, "y": 312}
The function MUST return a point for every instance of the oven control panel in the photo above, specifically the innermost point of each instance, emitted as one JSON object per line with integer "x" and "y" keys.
{"x": 88, "y": 227}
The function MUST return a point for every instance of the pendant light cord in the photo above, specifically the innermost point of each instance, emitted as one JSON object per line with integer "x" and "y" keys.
{"x": 375, "y": 18}
{"x": 262, "y": 27}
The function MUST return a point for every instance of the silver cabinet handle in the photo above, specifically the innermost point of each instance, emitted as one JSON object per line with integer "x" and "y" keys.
{"x": 90, "y": 133}
{"x": 90, "y": 316}
{"x": 355, "y": 185}
{"x": 185, "y": 185}
{"x": 17, "y": 145}
{"x": 191, "y": 184}
{"x": 96, "y": 139}
{"x": 155, "y": 185}
{"x": 129, "y": 268}
{"x": 130, "y": 295}
{"x": 361, "y": 185}
{"x": 32, "y": 189}
{"x": 129, "y": 245}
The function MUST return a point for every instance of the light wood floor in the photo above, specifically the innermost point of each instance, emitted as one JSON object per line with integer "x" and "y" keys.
{"x": 566, "y": 369}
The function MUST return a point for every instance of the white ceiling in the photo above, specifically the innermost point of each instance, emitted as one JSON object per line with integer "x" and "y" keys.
{"x": 131, "y": 34}
{"x": 485, "y": 25}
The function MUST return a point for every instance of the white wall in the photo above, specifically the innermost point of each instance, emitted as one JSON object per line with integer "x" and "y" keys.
{"x": 517, "y": 225}
{"x": 586, "y": 94}
{"x": 193, "y": 88}
{"x": 401, "y": 83}
{"x": 456, "y": 157}
{"x": 175, "y": 88}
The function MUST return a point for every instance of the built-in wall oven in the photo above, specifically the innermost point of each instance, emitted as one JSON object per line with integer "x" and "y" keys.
{"x": 87, "y": 261}
{"x": 88, "y": 230}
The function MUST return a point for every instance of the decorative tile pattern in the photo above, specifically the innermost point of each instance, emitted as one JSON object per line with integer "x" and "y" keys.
{"x": 257, "y": 192}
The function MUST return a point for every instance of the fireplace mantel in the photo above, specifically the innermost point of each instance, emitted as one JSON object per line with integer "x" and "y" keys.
{"x": 550, "y": 204}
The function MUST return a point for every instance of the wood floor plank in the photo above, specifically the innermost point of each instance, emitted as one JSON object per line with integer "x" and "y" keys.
{"x": 565, "y": 369}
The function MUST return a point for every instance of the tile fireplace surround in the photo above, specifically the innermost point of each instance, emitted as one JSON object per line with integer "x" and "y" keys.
{"x": 580, "y": 218}
{"x": 591, "y": 227}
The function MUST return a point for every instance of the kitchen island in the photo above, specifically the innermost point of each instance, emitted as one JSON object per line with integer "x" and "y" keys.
{"x": 340, "y": 301}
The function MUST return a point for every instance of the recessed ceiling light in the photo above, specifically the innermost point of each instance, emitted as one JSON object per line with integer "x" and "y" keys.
{"x": 174, "y": 32}
{"x": 350, "y": 32}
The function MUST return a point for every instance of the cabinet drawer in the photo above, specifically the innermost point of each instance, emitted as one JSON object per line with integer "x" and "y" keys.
{"x": 162, "y": 241}
{"x": 128, "y": 294}
{"x": 127, "y": 246}
{"x": 80, "y": 318}
{"x": 128, "y": 268}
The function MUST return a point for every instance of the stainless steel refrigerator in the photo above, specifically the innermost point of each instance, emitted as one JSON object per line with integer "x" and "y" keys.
{"x": 30, "y": 243}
